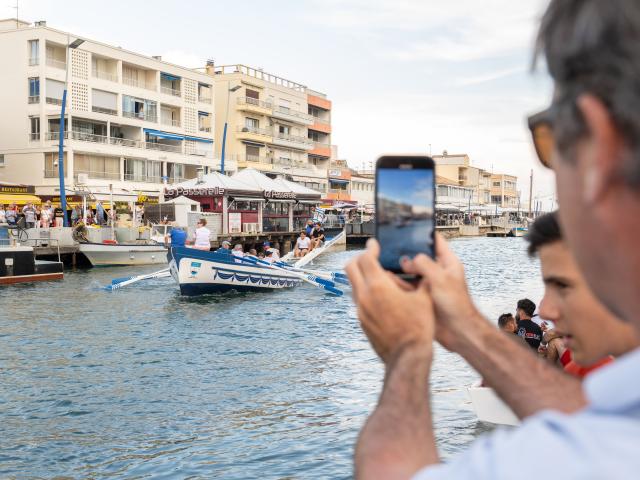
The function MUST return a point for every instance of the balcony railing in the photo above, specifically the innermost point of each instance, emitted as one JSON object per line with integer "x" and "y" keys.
{"x": 33, "y": 61}
{"x": 170, "y": 121}
{"x": 140, "y": 116}
{"x": 34, "y": 99}
{"x": 134, "y": 177}
{"x": 254, "y": 101}
{"x": 134, "y": 82}
{"x": 205, "y": 129}
{"x": 255, "y": 130}
{"x": 34, "y": 137}
{"x": 254, "y": 159}
{"x": 107, "y": 111}
{"x": 126, "y": 142}
{"x": 321, "y": 121}
{"x": 164, "y": 147}
{"x": 204, "y": 99}
{"x": 98, "y": 175}
{"x": 54, "y": 101}
{"x": 55, "y": 135}
{"x": 294, "y": 113}
{"x": 89, "y": 137}
{"x": 105, "y": 75}
{"x": 170, "y": 91}
{"x": 52, "y": 62}
{"x": 294, "y": 138}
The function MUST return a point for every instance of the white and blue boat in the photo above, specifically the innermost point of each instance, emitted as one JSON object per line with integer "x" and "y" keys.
{"x": 199, "y": 272}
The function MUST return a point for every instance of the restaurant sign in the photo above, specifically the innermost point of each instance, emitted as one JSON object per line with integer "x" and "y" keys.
{"x": 274, "y": 194}
{"x": 202, "y": 192}
{"x": 19, "y": 189}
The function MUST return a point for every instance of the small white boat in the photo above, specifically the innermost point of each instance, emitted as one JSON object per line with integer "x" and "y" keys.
{"x": 490, "y": 408}
{"x": 518, "y": 232}
{"x": 112, "y": 254}
{"x": 200, "y": 272}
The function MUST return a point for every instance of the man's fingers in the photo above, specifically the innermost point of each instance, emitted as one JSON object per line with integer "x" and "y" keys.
{"x": 444, "y": 255}
{"x": 421, "y": 265}
{"x": 404, "y": 285}
{"x": 369, "y": 264}
{"x": 355, "y": 277}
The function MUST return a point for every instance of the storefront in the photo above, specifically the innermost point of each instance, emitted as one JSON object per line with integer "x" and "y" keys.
{"x": 18, "y": 194}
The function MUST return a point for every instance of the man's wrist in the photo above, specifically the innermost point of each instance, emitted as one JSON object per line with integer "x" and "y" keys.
{"x": 413, "y": 350}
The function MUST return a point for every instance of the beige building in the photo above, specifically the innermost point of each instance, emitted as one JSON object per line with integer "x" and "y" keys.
{"x": 274, "y": 125}
{"x": 363, "y": 186}
{"x": 131, "y": 119}
{"x": 484, "y": 187}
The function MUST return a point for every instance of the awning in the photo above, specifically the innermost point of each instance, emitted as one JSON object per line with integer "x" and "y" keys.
{"x": 278, "y": 200}
{"x": 310, "y": 202}
{"x": 203, "y": 114}
{"x": 339, "y": 181}
{"x": 246, "y": 199}
{"x": 169, "y": 77}
{"x": 174, "y": 136}
{"x": 253, "y": 144}
{"x": 7, "y": 198}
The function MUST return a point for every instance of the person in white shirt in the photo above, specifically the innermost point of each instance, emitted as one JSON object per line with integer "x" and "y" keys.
{"x": 582, "y": 430}
{"x": 303, "y": 243}
{"x": 2, "y": 217}
{"x": 237, "y": 251}
{"x": 201, "y": 239}
{"x": 274, "y": 251}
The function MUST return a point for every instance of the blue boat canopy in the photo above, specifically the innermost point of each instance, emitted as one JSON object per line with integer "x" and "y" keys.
{"x": 175, "y": 136}
{"x": 339, "y": 181}
{"x": 169, "y": 77}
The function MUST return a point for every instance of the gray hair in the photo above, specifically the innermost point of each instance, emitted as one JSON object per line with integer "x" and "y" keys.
{"x": 593, "y": 46}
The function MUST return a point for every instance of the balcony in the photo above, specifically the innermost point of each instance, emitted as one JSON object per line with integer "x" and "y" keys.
{"x": 105, "y": 75}
{"x": 133, "y": 177}
{"x": 55, "y": 135}
{"x": 253, "y": 105}
{"x": 321, "y": 149}
{"x": 34, "y": 61}
{"x": 34, "y": 99}
{"x": 170, "y": 122}
{"x": 205, "y": 129}
{"x": 170, "y": 91}
{"x": 292, "y": 141}
{"x": 253, "y": 133}
{"x": 204, "y": 99}
{"x": 140, "y": 116}
{"x": 132, "y": 82}
{"x": 106, "y": 111}
{"x": 54, "y": 101}
{"x": 253, "y": 161}
{"x": 97, "y": 175}
{"x": 34, "y": 137}
{"x": 286, "y": 113}
{"x": 320, "y": 125}
{"x": 52, "y": 62}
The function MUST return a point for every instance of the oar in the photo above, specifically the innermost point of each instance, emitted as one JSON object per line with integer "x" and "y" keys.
{"x": 123, "y": 282}
{"x": 335, "y": 276}
{"x": 310, "y": 279}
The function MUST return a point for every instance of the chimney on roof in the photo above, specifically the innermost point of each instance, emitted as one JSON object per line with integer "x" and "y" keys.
{"x": 210, "y": 67}
{"x": 41, "y": 23}
{"x": 157, "y": 57}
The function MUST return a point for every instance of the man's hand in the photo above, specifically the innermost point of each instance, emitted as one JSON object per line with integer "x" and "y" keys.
{"x": 455, "y": 313}
{"x": 392, "y": 313}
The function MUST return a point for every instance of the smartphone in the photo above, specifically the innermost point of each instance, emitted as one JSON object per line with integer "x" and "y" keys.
{"x": 405, "y": 207}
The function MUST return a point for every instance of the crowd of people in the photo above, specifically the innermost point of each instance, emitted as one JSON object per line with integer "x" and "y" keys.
{"x": 585, "y": 424}
{"x": 48, "y": 215}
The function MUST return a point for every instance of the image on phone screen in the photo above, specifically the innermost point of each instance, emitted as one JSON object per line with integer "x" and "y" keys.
{"x": 405, "y": 208}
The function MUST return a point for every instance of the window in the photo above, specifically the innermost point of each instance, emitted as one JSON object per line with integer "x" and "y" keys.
{"x": 54, "y": 92}
{"x": 244, "y": 206}
{"x": 204, "y": 122}
{"x": 34, "y": 52}
{"x": 51, "y": 165}
{"x": 104, "y": 102}
{"x": 253, "y": 153}
{"x": 204, "y": 93}
{"x": 34, "y": 128}
{"x": 97, "y": 166}
{"x": 175, "y": 172}
{"x": 496, "y": 184}
{"x": 285, "y": 105}
{"x": 496, "y": 199}
{"x": 252, "y": 97}
{"x": 284, "y": 129}
{"x": 34, "y": 90}
{"x": 142, "y": 170}
{"x": 140, "y": 108}
{"x": 1, "y": 160}
{"x": 251, "y": 123}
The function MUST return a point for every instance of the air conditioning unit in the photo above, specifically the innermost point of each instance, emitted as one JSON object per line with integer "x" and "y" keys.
{"x": 83, "y": 179}
{"x": 250, "y": 228}
{"x": 245, "y": 129}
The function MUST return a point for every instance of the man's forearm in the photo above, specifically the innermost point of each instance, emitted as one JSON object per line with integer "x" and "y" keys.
{"x": 398, "y": 439}
{"x": 525, "y": 383}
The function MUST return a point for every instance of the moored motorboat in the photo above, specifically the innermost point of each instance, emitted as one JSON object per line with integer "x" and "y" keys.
{"x": 200, "y": 272}
{"x": 113, "y": 254}
{"x": 18, "y": 265}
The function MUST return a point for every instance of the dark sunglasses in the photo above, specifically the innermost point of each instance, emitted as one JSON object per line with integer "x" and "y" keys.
{"x": 541, "y": 127}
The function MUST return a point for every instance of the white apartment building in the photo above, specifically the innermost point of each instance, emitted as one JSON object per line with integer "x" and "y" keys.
{"x": 132, "y": 121}
{"x": 363, "y": 188}
{"x": 275, "y": 125}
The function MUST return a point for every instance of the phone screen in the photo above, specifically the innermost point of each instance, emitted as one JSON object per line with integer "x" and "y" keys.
{"x": 404, "y": 211}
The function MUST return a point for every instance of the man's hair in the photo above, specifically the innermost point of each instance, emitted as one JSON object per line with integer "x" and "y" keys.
{"x": 527, "y": 306}
{"x": 591, "y": 46}
{"x": 504, "y": 319}
{"x": 203, "y": 221}
{"x": 545, "y": 230}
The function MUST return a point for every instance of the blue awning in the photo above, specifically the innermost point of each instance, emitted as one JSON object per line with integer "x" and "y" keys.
{"x": 339, "y": 181}
{"x": 169, "y": 77}
{"x": 253, "y": 144}
{"x": 175, "y": 136}
{"x": 166, "y": 135}
{"x": 204, "y": 114}
{"x": 198, "y": 139}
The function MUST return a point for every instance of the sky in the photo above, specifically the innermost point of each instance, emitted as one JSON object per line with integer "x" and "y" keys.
{"x": 404, "y": 76}
{"x": 411, "y": 187}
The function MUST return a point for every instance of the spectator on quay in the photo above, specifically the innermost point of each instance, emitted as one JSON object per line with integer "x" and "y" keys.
{"x": 527, "y": 328}
{"x": 3, "y": 218}
{"x": 58, "y": 216}
{"x": 76, "y": 214}
{"x": 588, "y": 136}
{"x": 45, "y": 216}
{"x": 99, "y": 213}
{"x": 30, "y": 215}
{"x": 11, "y": 214}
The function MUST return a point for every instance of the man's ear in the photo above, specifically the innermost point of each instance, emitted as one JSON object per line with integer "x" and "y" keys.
{"x": 601, "y": 166}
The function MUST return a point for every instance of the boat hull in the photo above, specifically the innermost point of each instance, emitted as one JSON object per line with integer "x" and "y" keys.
{"x": 490, "y": 408}
{"x": 199, "y": 272}
{"x": 105, "y": 255}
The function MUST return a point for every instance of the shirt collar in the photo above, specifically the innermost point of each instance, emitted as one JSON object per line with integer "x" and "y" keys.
{"x": 615, "y": 387}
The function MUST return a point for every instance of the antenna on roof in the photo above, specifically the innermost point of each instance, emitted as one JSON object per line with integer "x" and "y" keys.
{"x": 17, "y": 7}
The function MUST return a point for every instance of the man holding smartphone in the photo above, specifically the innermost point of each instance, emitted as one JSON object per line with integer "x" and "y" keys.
{"x": 589, "y": 136}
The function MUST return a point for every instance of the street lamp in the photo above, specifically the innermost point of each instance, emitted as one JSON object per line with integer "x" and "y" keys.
{"x": 226, "y": 120}
{"x": 63, "y": 197}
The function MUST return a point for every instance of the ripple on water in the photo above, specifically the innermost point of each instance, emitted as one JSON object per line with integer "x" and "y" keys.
{"x": 142, "y": 382}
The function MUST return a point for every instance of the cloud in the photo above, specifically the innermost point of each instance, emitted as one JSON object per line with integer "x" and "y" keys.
{"x": 489, "y": 76}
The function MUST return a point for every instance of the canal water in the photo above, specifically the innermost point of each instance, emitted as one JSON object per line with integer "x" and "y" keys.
{"x": 144, "y": 383}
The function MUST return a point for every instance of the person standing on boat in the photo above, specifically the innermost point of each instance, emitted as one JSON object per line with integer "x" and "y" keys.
{"x": 527, "y": 328}
{"x": 99, "y": 213}
{"x": 201, "y": 238}
{"x": 303, "y": 243}
{"x": 177, "y": 236}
